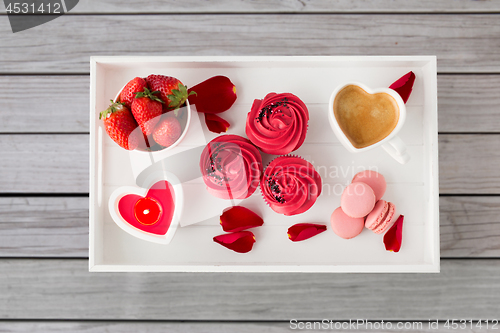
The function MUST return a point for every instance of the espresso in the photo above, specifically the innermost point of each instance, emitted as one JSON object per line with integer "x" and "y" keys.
{"x": 365, "y": 118}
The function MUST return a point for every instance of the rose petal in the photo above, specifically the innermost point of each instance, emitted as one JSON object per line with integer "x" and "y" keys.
{"x": 214, "y": 95}
{"x": 404, "y": 85}
{"x": 239, "y": 218}
{"x": 394, "y": 236}
{"x": 215, "y": 123}
{"x": 240, "y": 242}
{"x": 303, "y": 231}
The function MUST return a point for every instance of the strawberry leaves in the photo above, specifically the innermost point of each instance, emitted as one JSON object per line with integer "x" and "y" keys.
{"x": 179, "y": 96}
{"x": 114, "y": 107}
{"x": 149, "y": 94}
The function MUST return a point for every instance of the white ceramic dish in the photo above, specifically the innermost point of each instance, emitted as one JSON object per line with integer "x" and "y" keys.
{"x": 412, "y": 187}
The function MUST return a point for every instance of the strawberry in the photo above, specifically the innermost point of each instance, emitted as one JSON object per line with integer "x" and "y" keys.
{"x": 120, "y": 125}
{"x": 146, "y": 108}
{"x": 168, "y": 131}
{"x": 144, "y": 143}
{"x": 172, "y": 91}
{"x": 128, "y": 92}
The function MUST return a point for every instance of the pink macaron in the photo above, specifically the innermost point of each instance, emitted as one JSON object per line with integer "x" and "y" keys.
{"x": 357, "y": 200}
{"x": 380, "y": 219}
{"x": 373, "y": 179}
{"x": 345, "y": 226}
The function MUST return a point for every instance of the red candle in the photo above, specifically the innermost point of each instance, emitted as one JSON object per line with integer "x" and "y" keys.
{"x": 147, "y": 211}
{"x": 151, "y": 213}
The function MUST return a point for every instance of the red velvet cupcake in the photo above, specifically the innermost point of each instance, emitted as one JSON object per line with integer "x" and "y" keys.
{"x": 231, "y": 167}
{"x": 278, "y": 123}
{"x": 290, "y": 185}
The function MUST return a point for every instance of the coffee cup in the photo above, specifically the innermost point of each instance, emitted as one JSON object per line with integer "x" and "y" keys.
{"x": 364, "y": 118}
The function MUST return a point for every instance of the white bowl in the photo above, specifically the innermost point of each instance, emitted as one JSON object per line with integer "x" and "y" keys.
{"x": 183, "y": 134}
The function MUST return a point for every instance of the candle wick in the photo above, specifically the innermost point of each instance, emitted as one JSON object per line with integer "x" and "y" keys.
{"x": 146, "y": 211}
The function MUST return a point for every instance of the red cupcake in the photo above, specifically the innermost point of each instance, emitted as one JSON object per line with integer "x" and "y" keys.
{"x": 231, "y": 167}
{"x": 290, "y": 185}
{"x": 278, "y": 123}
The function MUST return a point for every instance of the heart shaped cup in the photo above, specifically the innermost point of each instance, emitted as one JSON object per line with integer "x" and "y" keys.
{"x": 131, "y": 191}
{"x": 392, "y": 144}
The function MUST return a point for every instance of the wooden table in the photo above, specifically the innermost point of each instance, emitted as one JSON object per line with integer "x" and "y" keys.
{"x": 44, "y": 158}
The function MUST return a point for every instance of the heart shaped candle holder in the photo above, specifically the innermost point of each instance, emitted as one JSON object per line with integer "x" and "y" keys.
{"x": 151, "y": 213}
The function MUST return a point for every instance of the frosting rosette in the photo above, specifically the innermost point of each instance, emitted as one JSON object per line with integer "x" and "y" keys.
{"x": 231, "y": 167}
{"x": 290, "y": 185}
{"x": 277, "y": 124}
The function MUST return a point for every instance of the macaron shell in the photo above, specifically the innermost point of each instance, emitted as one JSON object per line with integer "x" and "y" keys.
{"x": 387, "y": 222}
{"x": 377, "y": 215}
{"x": 345, "y": 226}
{"x": 357, "y": 200}
{"x": 374, "y": 179}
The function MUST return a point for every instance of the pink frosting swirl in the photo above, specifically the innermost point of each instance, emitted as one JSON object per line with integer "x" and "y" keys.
{"x": 231, "y": 167}
{"x": 278, "y": 123}
{"x": 290, "y": 185}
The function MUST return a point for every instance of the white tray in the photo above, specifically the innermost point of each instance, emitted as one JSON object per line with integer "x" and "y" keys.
{"x": 413, "y": 187}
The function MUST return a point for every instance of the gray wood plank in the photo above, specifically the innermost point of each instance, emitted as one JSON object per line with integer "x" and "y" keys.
{"x": 44, "y": 163}
{"x": 134, "y": 327}
{"x": 283, "y": 6}
{"x": 44, "y": 227}
{"x": 62, "y": 104}
{"x": 64, "y": 289}
{"x": 467, "y": 103}
{"x": 469, "y": 164}
{"x": 59, "y": 163}
{"x": 462, "y": 43}
{"x": 470, "y": 226}
{"x": 228, "y": 327}
{"x": 58, "y": 227}
{"x": 287, "y": 6}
